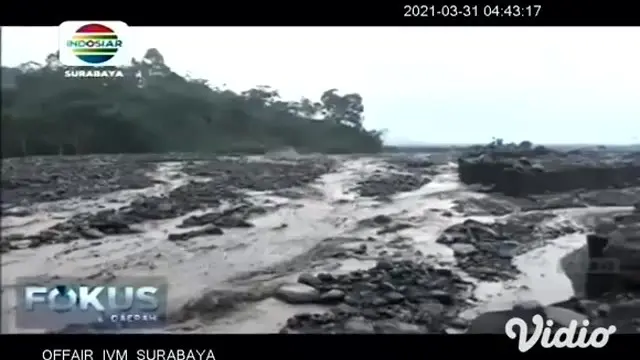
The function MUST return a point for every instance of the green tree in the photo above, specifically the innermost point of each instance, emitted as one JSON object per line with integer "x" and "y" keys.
{"x": 153, "y": 109}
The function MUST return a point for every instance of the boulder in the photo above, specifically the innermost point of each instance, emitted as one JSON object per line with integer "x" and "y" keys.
{"x": 398, "y": 327}
{"x": 563, "y": 317}
{"x": 310, "y": 280}
{"x": 359, "y": 325}
{"x": 629, "y": 309}
{"x": 529, "y": 305}
{"x": 463, "y": 249}
{"x": 393, "y": 297}
{"x": 623, "y": 248}
{"x": 610, "y": 262}
{"x": 333, "y": 295}
{"x": 92, "y": 234}
{"x": 494, "y": 322}
{"x": 297, "y": 294}
{"x": 490, "y": 322}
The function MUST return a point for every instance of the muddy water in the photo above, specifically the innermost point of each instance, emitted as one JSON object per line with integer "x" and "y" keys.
{"x": 259, "y": 258}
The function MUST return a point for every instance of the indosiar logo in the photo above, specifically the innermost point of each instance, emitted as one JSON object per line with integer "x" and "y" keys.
{"x": 94, "y": 43}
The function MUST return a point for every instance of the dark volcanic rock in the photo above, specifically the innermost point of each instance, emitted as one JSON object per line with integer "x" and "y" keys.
{"x": 39, "y": 179}
{"x": 513, "y": 174}
{"x": 624, "y": 246}
{"x": 614, "y": 256}
{"x": 392, "y": 297}
{"x": 610, "y": 197}
{"x": 490, "y": 322}
{"x": 402, "y": 173}
{"x": 388, "y": 229}
{"x": 384, "y": 185}
{"x": 88, "y": 226}
{"x": 207, "y": 230}
{"x": 620, "y": 310}
{"x": 382, "y": 219}
{"x": 499, "y": 204}
{"x": 261, "y": 176}
{"x": 232, "y": 218}
{"x": 228, "y": 179}
{"x": 494, "y": 322}
{"x": 297, "y": 294}
{"x": 608, "y": 265}
{"x": 485, "y": 251}
{"x": 414, "y": 164}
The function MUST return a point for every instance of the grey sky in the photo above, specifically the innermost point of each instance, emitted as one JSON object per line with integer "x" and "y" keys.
{"x": 425, "y": 85}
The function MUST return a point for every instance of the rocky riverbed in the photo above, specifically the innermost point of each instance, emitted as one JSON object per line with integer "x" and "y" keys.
{"x": 295, "y": 244}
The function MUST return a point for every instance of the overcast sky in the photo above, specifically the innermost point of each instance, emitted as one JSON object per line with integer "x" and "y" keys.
{"x": 424, "y": 85}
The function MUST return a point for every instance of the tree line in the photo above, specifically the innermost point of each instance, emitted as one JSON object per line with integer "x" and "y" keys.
{"x": 152, "y": 109}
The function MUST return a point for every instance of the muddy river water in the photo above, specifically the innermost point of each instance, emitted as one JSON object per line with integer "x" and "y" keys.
{"x": 247, "y": 260}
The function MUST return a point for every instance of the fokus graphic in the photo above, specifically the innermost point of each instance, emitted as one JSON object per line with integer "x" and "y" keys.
{"x": 94, "y": 43}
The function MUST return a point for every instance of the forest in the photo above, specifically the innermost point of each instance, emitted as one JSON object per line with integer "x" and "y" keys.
{"x": 152, "y": 109}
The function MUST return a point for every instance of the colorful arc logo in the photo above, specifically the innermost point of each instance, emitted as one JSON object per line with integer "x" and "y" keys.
{"x": 94, "y": 43}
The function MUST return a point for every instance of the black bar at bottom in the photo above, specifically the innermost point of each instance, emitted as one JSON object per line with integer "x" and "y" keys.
{"x": 283, "y": 347}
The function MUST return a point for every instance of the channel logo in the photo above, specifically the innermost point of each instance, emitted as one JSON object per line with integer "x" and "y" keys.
{"x": 94, "y": 43}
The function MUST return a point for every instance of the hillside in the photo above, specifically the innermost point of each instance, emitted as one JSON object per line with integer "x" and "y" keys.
{"x": 153, "y": 109}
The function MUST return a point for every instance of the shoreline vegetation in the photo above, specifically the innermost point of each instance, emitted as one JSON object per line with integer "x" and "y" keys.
{"x": 154, "y": 110}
